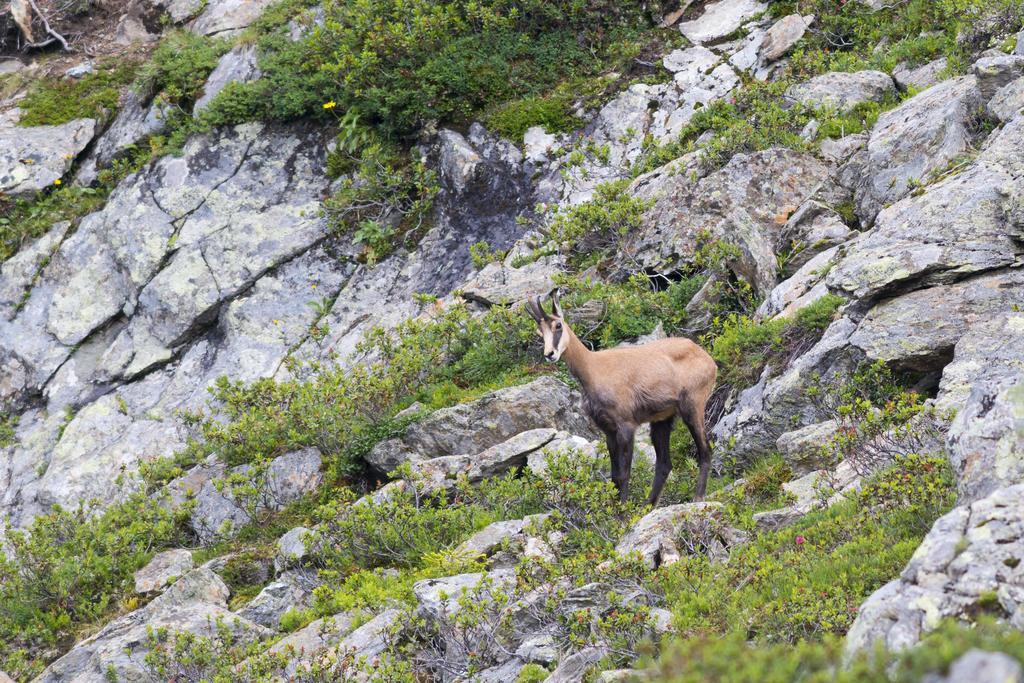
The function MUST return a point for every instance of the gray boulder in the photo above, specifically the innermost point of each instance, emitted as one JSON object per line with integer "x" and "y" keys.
{"x": 443, "y": 472}
{"x": 819, "y": 489}
{"x": 225, "y": 18}
{"x": 778, "y": 404}
{"x": 369, "y": 640}
{"x": 440, "y": 598}
{"x": 478, "y": 425}
{"x": 542, "y": 649}
{"x": 1008, "y": 101}
{"x": 968, "y": 222}
{"x": 136, "y": 120}
{"x": 971, "y": 555}
{"x": 218, "y": 514}
{"x": 921, "y": 136}
{"x": 313, "y": 641}
{"x": 920, "y": 77}
{"x": 195, "y": 603}
{"x": 493, "y": 540}
{"x": 839, "y": 150}
{"x": 995, "y": 72}
{"x": 179, "y": 11}
{"x": 293, "y": 590}
{"x": 984, "y": 384}
{"x": 781, "y": 37}
{"x": 662, "y": 536}
{"x": 843, "y": 91}
{"x": 504, "y": 283}
{"x": 237, "y": 66}
{"x": 801, "y": 289}
{"x": 919, "y": 330}
{"x": 573, "y": 668}
{"x": 700, "y": 77}
{"x": 10, "y": 66}
{"x": 720, "y": 19}
{"x": 291, "y": 548}
{"x": 18, "y": 273}
{"x": 33, "y": 159}
{"x": 814, "y": 228}
{"x": 982, "y": 666}
{"x": 563, "y": 444}
{"x": 502, "y": 673}
{"x": 162, "y": 569}
{"x": 746, "y": 203}
{"x": 802, "y": 448}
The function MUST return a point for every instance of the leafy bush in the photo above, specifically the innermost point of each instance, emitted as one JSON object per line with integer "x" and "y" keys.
{"x": 744, "y": 347}
{"x": 22, "y": 220}
{"x": 733, "y": 659}
{"x": 384, "y": 195}
{"x": 291, "y": 86}
{"x": 345, "y": 411}
{"x": 8, "y": 423}
{"x": 178, "y": 68}
{"x": 598, "y": 225}
{"x": 68, "y": 569}
{"x": 405, "y": 63}
{"x": 396, "y": 531}
{"x": 808, "y": 580}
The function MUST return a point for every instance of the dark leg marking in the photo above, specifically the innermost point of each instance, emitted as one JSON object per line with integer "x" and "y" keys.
{"x": 661, "y": 432}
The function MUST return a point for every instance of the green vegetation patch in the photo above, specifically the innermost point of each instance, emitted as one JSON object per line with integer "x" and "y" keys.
{"x": 743, "y": 347}
{"x": 70, "y": 568}
{"x": 56, "y": 100}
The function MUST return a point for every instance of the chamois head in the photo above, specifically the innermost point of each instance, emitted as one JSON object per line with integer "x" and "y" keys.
{"x": 552, "y": 328}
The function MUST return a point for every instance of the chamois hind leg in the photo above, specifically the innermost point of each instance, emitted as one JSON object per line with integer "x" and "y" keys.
{"x": 661, "y": 432}
{"x": 693, "y": 415}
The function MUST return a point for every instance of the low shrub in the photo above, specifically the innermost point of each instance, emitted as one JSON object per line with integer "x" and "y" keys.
{"x": 345, "y": 411}
{"x": 179, "y": 67}
{"x": 808, "y": 580}
{"x": 403, "y": 64}
{"x": 743, "y": 347}
{"x": 598, "y": 226}
{"x": 70, "y": 568}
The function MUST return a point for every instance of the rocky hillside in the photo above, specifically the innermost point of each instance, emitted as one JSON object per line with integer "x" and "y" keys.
{"x": 271, "y": 407}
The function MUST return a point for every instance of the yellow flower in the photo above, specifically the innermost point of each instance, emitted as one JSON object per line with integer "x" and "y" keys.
{"x": 330, "y": 105}
{"x": 57, "y": 181}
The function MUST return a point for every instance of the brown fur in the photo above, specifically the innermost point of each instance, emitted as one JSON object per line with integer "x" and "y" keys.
{"x": 627, "y": 387}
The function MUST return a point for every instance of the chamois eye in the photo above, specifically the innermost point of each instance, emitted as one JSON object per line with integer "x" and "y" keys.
{"x": 558, "y": 326}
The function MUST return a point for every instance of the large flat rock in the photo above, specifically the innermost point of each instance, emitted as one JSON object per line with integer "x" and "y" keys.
{"x": 33, "y": 159}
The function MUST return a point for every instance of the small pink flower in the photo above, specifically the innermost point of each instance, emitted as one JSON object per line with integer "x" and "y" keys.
{"x": 800, "y": 540}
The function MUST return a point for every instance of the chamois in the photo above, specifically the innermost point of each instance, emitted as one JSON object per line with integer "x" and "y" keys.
{"x": 627, "y": 387}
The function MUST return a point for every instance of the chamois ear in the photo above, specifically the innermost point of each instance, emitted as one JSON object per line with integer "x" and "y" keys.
{"x": 535, "y": 309}
{"x": 554, "y": 302}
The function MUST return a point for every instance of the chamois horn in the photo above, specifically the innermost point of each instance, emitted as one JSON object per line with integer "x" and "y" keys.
{"x": 536, "y": 309}
{"x": 555, "y": 307}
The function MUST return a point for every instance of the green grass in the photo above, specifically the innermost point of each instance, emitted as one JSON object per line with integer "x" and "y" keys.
{"x": 56, "y": 100}
{"x": 23, "y": 220}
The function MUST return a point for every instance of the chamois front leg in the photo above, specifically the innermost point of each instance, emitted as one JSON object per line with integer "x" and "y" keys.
{"x": 624, "y": 448}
